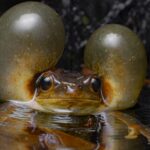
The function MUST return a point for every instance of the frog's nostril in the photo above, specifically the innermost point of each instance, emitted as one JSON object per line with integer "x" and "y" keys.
{"x": 70, "y": 90}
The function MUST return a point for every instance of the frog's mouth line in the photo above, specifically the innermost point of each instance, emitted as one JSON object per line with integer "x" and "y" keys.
{"x": 67, "y": 103}
{"x": 64, "y": 105}
{"x": 56, "y": 100}
{"x": 72, "y": 105}
{"x": 68, "y": 99}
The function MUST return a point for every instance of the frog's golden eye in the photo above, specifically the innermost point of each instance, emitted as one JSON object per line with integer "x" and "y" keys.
{"x": 96, "y": 84}
{"x": 44, "y": 83}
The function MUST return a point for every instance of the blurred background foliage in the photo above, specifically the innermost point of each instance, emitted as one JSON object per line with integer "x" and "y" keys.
{"x": 82, "y": 18}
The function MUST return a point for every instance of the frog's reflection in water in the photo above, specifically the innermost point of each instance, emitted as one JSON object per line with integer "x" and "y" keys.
{"x": 114, "y": 133}
{"x": 23, "y": 128}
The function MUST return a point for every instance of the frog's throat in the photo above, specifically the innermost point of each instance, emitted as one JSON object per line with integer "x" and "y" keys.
{"x": 67, "y": 107}
{"x": 75, "y": 106}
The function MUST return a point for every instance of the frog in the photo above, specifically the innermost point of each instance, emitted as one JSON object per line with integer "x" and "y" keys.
{"x": 114, "y": 59}
{"x": 113, "y": 76}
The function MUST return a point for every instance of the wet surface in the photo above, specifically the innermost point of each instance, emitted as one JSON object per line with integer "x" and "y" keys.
{"x": 23, "y": 128}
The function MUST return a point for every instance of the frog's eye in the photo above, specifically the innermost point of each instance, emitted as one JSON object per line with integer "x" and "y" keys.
{"x": 96, "y": 84}
{"x": 44, "y": 83}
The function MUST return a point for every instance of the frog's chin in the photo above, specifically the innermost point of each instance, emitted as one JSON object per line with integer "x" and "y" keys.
{"x": 32, "y": 104}
{"x": 63, "y": 107}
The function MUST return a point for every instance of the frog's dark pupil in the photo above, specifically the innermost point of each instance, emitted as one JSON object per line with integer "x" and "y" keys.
{"x": 96, "y": 84}
{"x": 45, "y": 83}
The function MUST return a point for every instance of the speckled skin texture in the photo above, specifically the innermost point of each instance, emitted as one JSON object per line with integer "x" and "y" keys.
{"x": 117, "y": 55}
{"x": 82, "y": 18}
{"x": 31, "y": 41}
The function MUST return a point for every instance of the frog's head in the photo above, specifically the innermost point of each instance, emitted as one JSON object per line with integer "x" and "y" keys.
{"x": 65, "y": 92}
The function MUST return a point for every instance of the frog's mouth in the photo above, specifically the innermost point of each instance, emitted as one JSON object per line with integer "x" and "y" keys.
{"x": 64, "y": 106}
{"x": 77, "y": 106}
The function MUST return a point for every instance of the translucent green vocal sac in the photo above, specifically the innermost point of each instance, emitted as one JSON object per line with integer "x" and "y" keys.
{"x": 118, "y": 56}
{"x": 31, "y": 41}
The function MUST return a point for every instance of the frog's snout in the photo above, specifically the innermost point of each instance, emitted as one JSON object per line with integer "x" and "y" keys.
{"x": 51, "y": 85}
{"x": 70, "y": 88}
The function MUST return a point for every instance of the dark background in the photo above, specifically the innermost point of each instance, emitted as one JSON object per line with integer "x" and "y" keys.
{"x": 81, "y": 18}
